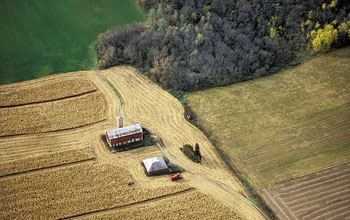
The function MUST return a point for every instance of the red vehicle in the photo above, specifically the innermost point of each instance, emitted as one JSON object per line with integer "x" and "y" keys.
{"x": 175, "y": 176}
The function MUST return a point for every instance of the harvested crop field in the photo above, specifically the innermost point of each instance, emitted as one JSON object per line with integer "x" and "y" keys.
{"x": 321, "y": 195}
{"x": 165, "y": 117}
{"x": 44, "y": 161}
{"x": 285, "y": 125}
{"x": 23, "y": 146}
{"x": 137, "y": 170}
{"x": 52, "y": 116}
{"x": 44, "y": 91}
{"x": 192, "y": 205}
{"x": 73, "y": 190}
{"x": 158, "y": 111}
{"x": 55, "y": 175}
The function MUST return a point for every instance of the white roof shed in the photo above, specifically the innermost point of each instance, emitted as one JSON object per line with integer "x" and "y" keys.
{"x": 125, "y": 131}
{"x": 154, "y": 164}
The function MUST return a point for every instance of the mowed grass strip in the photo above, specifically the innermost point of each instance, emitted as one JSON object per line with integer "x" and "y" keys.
{"x": 52, "y": 116}
{"x": 70, "y": 191}
{"x": 44, "y": 161}
{"x": 192, "y": 205}
{"x": 41, "y": 92}
{"x": 285, "y": 125}
{"x": 41, "y": 37}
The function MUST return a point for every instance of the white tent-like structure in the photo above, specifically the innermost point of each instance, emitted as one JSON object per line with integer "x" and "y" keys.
{"x": 155, "y": 165}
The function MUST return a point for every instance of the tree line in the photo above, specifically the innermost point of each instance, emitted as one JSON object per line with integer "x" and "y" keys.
{"x": 189, "y": 45}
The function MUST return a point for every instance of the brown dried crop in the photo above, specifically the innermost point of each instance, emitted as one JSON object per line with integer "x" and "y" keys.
{"x": 73, "y": 190}
{"x": 47, "y": 160}
{"x": 52, "y": 116}
{"x": 45, "y": 91}
{"x": 190, "y": 205}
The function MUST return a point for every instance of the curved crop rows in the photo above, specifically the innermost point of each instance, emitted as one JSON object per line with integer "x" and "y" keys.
{"x": 156, "y": 109}
{"x": 53, "y": 174}
{"x": 147, "y": 103}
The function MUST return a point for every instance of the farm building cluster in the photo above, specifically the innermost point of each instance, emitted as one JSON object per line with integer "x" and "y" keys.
{"x": 127, "y": 137}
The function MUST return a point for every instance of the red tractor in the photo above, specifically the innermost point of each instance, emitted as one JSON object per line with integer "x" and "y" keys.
{"x": 175, "y": 176}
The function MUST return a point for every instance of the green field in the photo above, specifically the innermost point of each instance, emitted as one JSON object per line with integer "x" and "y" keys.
{"x": 284, "y": 125}
{"x": 41, "y": 37}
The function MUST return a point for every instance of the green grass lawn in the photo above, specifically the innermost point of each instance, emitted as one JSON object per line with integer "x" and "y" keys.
{"x": 41, "y": 37}
{"x": 285, "y": 125}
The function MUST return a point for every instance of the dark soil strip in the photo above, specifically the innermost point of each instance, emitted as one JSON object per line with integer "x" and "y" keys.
{"x": 306, "y": 178}
{"x": 128, "y": 205}
{"x": 47, "y": 168}
{"x": 331, "y": 210}
{"x": 312, "y": 189}
{"x": 51, "y": 100}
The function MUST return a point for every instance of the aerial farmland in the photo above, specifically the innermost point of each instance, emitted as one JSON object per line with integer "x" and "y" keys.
{"x": 151, "y": 109}
{"x": 68, "y": 165}
{"x": 296, "y": 155}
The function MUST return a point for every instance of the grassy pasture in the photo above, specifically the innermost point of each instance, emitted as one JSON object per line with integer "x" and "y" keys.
{"x": 285, "y": 125}
{"x": 41, "y": 37}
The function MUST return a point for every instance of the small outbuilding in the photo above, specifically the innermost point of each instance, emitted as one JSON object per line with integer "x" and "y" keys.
{"x": 155, "y": 166}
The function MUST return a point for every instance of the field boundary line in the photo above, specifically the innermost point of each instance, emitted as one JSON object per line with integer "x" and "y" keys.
{"x": 48, "y": 168}
{"x": 51, "y": 100}
{"x": 273, "y": 200}
{"x": 129, "y": 205}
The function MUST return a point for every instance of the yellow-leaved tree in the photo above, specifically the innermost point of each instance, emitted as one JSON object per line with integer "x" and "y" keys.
{"x": 323, "y": 39}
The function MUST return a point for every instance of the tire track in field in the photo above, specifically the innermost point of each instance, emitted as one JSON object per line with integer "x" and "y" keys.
{"x": 103, "y": 211}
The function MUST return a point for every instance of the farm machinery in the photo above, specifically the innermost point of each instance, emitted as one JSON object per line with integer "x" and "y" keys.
{"x": 175, "y": 176}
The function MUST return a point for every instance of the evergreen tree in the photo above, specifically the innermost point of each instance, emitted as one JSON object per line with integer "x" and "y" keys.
{"x": 197, "y": 152}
